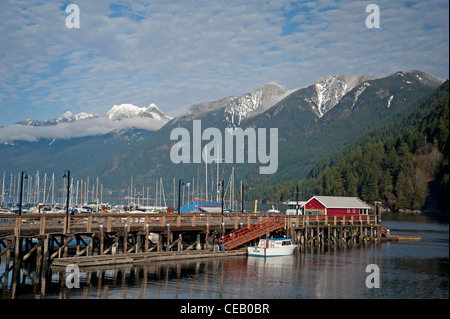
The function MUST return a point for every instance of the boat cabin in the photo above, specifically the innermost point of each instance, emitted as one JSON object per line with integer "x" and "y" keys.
{"x": 274, "y": 242}
{"x": 292, "y": 207}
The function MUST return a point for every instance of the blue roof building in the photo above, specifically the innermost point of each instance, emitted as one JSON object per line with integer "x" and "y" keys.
{"x": 207, "y": 207}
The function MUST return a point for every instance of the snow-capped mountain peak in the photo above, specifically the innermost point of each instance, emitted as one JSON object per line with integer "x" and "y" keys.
{"x": 70, "y": 117}
{"x": 325, "y": 93}
{"x": 237, "y": 108}
{"x": 254, "y": 103}
{"x": 119, "y": 112}
{"x": 67, "y": 117}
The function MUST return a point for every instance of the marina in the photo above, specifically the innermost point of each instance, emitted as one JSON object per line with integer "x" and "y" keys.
{"x": 45, "y": 239}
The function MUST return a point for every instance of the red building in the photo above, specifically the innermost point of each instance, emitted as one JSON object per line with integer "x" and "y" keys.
{"x": 335, "y": 205}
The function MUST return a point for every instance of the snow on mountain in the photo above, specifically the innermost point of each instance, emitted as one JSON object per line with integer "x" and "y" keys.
{"x": 253, "y": 103}
{"x": 330, "y": 90}
{"x": 320, "y": 97}
{"x": 70, "y": 117}
{"x": 359, "y": 91}
{"x": 119, "y": 112}
{"x": 237, "y": 108}
{"x": 67, "y": 117}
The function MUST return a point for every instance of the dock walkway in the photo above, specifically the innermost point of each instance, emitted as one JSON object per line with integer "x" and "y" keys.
{"x": 141, "y": 258}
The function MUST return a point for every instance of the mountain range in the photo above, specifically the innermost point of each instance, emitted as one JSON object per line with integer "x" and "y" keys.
{"x": 312, "y": 122}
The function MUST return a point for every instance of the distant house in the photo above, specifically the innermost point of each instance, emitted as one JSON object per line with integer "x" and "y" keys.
{"x": 335, "y": 205}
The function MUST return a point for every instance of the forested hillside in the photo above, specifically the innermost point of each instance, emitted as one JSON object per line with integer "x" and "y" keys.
{"x": 401, "y": 165}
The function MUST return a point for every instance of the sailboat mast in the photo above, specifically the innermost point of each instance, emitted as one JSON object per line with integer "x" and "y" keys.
{"x": 217, "y": 179}
{"x": 45, "y": 188}
{"x": 3, "y": 189}
{"x": 53, "y": 189}
{"x": 206, "y": 173}
{"x": 174, "y": 192}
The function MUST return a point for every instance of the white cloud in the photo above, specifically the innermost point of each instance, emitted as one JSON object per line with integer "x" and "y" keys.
{"x": 82, "y": 128}
{"x": 176, "y": 53}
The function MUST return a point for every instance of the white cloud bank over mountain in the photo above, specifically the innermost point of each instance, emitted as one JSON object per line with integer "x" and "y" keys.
{"x": 67, "y": 126}
{"x": 88, "y": 127}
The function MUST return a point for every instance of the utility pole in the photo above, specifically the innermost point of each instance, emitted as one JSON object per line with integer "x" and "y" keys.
{"x": 67, "y": 198}
{"x": 242, "y": 197}
{"x": 179, "y": 193}
{"x": 21, "y": 190}
{"x": 221, "y": 209}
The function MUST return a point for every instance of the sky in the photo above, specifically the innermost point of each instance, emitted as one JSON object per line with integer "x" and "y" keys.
{"x": 177, "y": 53}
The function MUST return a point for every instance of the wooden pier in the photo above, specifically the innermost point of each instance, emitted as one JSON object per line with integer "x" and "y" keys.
{"x": 141, "y": 258}
{"x": 105, "y": 238}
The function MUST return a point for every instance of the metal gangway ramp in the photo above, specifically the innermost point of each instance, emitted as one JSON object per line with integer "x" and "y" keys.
{"x": 249, "y": 233}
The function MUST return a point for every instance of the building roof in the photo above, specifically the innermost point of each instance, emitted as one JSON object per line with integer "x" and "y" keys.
{"x": 195, "y": 206}
{"x": 341, "y": 202}
{"x": 210, "y": 209}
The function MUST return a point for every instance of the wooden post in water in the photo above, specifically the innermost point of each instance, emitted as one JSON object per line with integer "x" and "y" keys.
{"x": 328, "y": 235}
{"x": 115, "y": 246}
{"x": 267, "y": 244}
{"x": 206, "y": 247}
{"x": 318, "y": 234}
{"x": 138, "y": 244}
{"x": 66, "y": 242}
{"x": 371, "y": 233}
{"x": 102, "y": 240}
{"x": 7, "y": 261}
{"x": 198, "y": 242}
{"x": 147, "y": 233}
{"x": 306, "y": 235}
{"x": 158, "y": 246}
{"x": 378, "y": 213}
{"x": 302, "y": 239}
{"x": 168, "y": 238}
{"x": 77, "y": 238}
{"x": 352, "y": 233}
{"x": 125, "y": 239}
{"x": 17, "y": 247}
{"x": 38, "y": 260}
{"x": 45, "y": 256}
{"x": 180, "y": 242}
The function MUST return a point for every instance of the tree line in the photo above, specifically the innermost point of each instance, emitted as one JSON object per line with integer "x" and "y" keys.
{"x": 401, "y": 165}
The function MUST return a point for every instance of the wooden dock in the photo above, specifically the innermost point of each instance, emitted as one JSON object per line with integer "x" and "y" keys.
{"x": 142, "y": 258}
{"x": 112, "y": 239}
{"x": 401, "y": 238}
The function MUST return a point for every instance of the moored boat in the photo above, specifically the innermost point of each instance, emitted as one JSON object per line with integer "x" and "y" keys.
{"x": 273, "y": 248}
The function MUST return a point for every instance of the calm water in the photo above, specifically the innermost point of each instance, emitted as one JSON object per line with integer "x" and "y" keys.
{"x": 407, "y": 270}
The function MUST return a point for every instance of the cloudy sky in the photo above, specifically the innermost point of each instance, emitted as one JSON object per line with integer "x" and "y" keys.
{"x": 176, "y": 53}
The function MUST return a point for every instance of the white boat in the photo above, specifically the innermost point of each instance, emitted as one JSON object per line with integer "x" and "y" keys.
{"x": 273, "y": 210}
{"x": 275, "y": 247}
{"x": 292, "y": 208}
{"x": 84, "y": 210}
